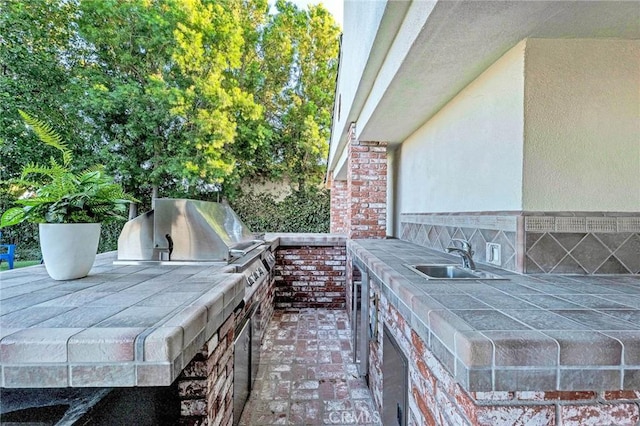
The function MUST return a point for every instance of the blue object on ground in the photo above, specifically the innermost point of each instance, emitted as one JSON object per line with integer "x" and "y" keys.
{"x": 10, "y": 254}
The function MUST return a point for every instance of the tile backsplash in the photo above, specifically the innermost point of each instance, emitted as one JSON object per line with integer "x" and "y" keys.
{"x": 538, "y": 242}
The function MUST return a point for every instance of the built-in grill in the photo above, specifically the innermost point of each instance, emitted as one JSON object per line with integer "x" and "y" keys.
{"x": 182, "y": 230}
{"x": 191, "y": 232}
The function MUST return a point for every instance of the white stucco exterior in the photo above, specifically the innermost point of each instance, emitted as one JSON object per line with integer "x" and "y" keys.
{"x": 582, "y": 125}
{"x": 553, "y": 125}
{"x": 366, "y": 30}
{"x": 404, "y": 40}
{"x": 494, "y": 106}
{"x": 468, "y": 157}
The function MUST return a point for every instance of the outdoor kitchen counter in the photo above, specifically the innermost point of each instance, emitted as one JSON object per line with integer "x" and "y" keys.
{"x": 527, "y": 333}
{"x": 305, "y": 239}
{"x": 119, "y": 326}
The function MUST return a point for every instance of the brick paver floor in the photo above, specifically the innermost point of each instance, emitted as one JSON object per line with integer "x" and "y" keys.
{"x": 307, "y": 375}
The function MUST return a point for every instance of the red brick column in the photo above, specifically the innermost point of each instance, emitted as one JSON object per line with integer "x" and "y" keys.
{"x": 367, "y": 187}
{"x": 339, "y": 205}
{"x": 205, "y": 386}
{"x": 359, "y": 204}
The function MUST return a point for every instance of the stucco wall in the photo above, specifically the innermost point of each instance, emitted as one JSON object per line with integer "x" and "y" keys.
{"x": 404, "y": 39}
{"x": 554, "y": 129}
{"x": 468, "y": 157}
{"x": 363, "y": 19}
{"x": 582, "y": 125}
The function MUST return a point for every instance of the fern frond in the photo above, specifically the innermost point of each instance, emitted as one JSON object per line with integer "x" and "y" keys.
{"x": 37, "y": 169}
{"x": 57, "y": 194}
{"x": 47, "y": 135}
{"x": 95, "y": 168}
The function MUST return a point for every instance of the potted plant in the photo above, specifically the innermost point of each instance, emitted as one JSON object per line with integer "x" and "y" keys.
{"x": 69, "y": 206}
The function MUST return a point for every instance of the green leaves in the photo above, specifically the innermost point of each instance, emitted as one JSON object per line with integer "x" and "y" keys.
{"x": 175, "y": 95}
{"x": 300, "y": 211}
{"x": 293, "y": 74}
{"x": 48, "y": 136}
{"x": 55, "y": 194}
{"x": 12, "y": 216}
{"x": 90, "y": 196}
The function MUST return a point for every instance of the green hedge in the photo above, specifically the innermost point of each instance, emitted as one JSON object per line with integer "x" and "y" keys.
{"x": 25, "y": 237}
{"x": 301, "y": 211}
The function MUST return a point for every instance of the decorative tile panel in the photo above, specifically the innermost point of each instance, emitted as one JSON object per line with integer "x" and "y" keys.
{"x": 437, "y": 230}
{"x": 538, "y": 242}
{"x": 602, "y": 224}
{"x": 539, "y": 224}
{"x": 629, "y": 224}
{"x": 629, "y": 253}
{"x": 570, "y": 224}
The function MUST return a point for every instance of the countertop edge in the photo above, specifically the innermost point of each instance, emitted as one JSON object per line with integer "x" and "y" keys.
{"x": 471, "y": 358}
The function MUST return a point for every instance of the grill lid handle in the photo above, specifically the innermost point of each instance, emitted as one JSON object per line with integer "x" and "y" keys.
{"x": 170, "y": 241}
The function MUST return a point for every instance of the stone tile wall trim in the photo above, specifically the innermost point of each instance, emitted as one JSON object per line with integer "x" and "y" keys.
{"x": 502, "y": 221}
{"x": 582, "y": 224}
{"x": 305, "y": 239}
{"x": 538, "y": 242}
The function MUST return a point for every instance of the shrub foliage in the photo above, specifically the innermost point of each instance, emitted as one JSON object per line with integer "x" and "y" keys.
{"x": 301, "y": 211}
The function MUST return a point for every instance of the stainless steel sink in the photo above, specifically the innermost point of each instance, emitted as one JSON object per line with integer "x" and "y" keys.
{"x": 451, "y": 272}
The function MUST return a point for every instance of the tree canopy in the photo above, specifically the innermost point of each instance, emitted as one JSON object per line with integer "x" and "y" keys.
{"x": 173, "y": 96}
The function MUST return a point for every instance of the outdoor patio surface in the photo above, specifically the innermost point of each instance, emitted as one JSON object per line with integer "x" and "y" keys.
{"x": 307, "y": 375}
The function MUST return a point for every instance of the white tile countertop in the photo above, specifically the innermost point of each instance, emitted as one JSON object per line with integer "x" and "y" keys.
{"x": 119, "y": 326}
{"x": 526, "y": 333}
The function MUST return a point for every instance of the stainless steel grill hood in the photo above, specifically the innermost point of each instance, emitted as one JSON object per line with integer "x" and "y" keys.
{"x": 185, "y": 230}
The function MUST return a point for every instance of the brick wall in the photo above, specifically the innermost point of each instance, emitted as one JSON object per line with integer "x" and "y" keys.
{"x": 339, "y": 206}
{"x": 359, "y": 205}
{"x": 367, "y": 186}
{"x": 310, "y": 276}
{"x": 205, "y": 386}
{"x": 436, "y": 399}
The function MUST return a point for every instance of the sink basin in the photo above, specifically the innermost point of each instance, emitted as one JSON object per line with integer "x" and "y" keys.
{"x": 451, "y": 272}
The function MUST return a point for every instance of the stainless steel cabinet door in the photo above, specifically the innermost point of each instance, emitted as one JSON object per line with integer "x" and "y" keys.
{"x": 394, "y": 382}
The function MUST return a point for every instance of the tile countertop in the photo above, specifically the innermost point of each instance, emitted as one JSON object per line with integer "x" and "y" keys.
{"x": 119, "y": 326}
{"x": 526, "y": 333}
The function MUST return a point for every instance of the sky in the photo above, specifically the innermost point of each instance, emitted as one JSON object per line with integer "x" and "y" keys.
{"x": 333, "y": 6}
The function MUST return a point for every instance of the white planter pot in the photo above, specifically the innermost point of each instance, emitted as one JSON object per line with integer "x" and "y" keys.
{"x": 69, "y": 249}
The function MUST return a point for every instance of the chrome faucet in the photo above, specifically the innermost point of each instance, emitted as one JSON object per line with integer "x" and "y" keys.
{"x": 465, "y": 252}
